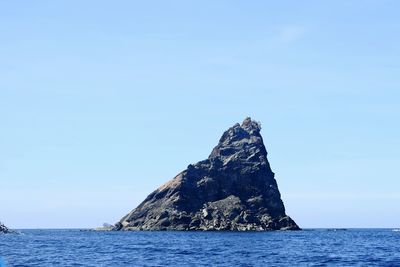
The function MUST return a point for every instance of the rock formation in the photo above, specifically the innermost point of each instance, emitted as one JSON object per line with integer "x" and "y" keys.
{"x": 234, "y": 189}
{"x": 4, "y": 229}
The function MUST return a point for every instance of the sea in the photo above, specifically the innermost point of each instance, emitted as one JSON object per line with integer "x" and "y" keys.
{"x": 309, "y": 247}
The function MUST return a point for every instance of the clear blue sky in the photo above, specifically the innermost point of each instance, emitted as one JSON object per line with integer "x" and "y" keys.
{"x": 103, "y": 101}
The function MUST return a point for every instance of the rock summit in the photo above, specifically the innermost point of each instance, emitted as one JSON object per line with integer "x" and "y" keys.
{"x": 234, "y": 189}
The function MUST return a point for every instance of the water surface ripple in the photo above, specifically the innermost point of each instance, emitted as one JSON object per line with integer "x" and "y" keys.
{"x": 314, "y": 247}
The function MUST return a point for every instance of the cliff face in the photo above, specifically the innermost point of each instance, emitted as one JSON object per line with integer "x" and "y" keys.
{"x": 234, "y": 189}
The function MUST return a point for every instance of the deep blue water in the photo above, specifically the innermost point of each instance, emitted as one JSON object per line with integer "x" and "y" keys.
{"x": 321, "y": 247}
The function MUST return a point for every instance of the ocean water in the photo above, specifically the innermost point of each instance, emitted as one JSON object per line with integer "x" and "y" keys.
{"x": 313, "y": 247}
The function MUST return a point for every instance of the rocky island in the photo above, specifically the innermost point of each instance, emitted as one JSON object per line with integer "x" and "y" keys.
{"x": 4, "y": 229}
{"x": 234, "y": 189}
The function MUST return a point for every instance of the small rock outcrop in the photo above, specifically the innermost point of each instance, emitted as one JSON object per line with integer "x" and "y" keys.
{"x": 234, "y": 189}
{"x": 4, "y": 229}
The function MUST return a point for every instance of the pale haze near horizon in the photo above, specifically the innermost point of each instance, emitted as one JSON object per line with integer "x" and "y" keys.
{"x": 102, "y": 102}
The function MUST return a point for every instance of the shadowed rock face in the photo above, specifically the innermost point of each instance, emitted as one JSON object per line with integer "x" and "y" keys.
{"x": 234, "y": 189}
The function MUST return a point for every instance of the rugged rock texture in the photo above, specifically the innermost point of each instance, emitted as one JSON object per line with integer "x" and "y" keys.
{"x": 234, "y": 189}
{"x": 4, "y": 229}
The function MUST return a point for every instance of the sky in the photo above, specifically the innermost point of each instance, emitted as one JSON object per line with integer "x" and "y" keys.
{"x": 101, "y": 102}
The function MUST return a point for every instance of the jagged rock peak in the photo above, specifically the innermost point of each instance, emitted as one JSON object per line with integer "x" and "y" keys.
{"x": 234, "y": 189}
{"x": 246, "y": 130}
{"x": 250, "y": 125}
{"x": 241, "y": 143}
